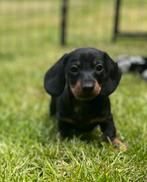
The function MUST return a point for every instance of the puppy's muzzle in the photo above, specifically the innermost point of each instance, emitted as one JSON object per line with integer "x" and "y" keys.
{"x": 88, "y": 87}
{"x": 86, "y": 90}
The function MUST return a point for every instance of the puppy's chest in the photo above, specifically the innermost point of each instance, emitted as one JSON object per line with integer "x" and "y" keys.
{"x": 83, "y": 110}
{"x": 86, "y": 113}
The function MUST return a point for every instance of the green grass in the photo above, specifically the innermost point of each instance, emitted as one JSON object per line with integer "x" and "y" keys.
{"x": 30, "y": 148}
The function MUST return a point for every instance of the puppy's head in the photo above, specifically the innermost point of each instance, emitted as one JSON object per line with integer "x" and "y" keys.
{"x": 87, "y": 72}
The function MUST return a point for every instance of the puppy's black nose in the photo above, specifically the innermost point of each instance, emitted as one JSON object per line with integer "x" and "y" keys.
{"x": 88, "y": 87}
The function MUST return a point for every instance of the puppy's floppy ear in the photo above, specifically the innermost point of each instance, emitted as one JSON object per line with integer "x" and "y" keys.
{"x": 113, "y": 76}
{"x": 54, "y": 80}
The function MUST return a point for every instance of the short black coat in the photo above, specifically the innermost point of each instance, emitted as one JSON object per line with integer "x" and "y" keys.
{"x": 77, "y": 114}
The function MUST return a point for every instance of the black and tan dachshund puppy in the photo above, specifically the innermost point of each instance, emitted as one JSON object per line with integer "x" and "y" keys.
{"x": 80, "y": 84}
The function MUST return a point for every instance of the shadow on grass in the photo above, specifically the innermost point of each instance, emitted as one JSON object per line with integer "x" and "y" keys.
{"x": 50, "y": 134}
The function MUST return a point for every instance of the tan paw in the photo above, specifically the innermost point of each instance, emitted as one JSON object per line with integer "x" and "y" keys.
{"x": 119, "y": 145}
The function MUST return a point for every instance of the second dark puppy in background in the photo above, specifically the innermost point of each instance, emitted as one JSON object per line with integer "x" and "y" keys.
{"x": 80, "y": 84}
{"x": 133, "y": 64}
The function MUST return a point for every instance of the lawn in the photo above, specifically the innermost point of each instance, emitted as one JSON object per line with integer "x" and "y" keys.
{"x": 30, "y": 147}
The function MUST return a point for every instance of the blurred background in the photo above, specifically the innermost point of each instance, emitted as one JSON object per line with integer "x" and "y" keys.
{"x": 30, "y": 27}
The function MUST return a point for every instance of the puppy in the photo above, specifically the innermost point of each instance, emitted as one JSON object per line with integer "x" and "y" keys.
{"x": 80, "y": 84}
{"x": 133, "y": 64}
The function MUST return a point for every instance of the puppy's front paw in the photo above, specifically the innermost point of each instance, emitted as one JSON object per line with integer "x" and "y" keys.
{"x": 119, "y": 145}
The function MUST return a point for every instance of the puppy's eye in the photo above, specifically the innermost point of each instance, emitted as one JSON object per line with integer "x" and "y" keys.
{"x": 74, "y": 69}
{"x": 99, "y": 68}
